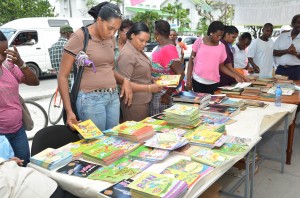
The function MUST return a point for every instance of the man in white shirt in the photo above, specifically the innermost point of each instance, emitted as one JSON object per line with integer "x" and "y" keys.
{"x": 287, "y": 51}
{"x": 260, "y": 53}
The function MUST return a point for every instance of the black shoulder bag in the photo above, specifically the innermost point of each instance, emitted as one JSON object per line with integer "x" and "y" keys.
{"x": 77, "y": 78}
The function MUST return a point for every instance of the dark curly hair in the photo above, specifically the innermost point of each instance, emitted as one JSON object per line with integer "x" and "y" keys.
{"x": 162, "y": 27}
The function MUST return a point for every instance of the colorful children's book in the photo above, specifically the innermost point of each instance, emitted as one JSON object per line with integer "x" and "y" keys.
{"x": 118, "y": 190}
{"x": 153, "y": 121}
{"x": 189, "y": 178}
{"x": 153, "y": 142}
{"x": 191, "y": 167}
{"x": 168, "y": 80}
{"x": 121, "y": 143}
{"x": 79, "y": 168}
{"x": 192, "y": 97}
{"x": 188, "y": 150}
{"x": 167, "y": 137}
{"x": 231, "y": 149}
{"x": 51, "y": 158}
{"x": 103, "y": 154}
{"x": 149, "y": 154}
{"x": 88, "y": 129}
{"x": 131, "y": 163}
{"x": 203, "y": 136}
{"x": 211, "y": 157}
{"x": 157, "y": 185}
{"x": 221, "y": 110}
{"x": 113, "y": 174}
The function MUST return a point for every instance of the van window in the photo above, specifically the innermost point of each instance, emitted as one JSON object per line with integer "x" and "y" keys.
{"x": 57, "y": 23}
{"x": 8, "y": 32}
{"x": 189, "y": 41}
{"x": 26, "y": 38}
{"x": 87, "y": 22}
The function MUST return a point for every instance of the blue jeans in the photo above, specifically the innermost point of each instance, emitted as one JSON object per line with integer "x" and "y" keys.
{"x": 103, "y": 108}
{"x": 19, "y": 143}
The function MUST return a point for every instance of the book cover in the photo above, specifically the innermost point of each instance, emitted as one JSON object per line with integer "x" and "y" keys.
{"x": 188, "y": 150}
{"x": 121, "y": 144}
{"x": 118, "y": 190}
{"x": 132, "y": 128}
{"x": 79, "y": 168}
{"x": 217, "y": 99}
{"x": 231, "y": 149}
{"x": 88, "y": 129}
{"x": 167, "y": 137}
{"x": 220, "y": 109}
{"x": 211, "y": 158}
{"x": 153, "y": 121}
{"x": 141, "y": 152}
{"x": 153, "y": 184}
{"x": 168, "y": 80}
{"x": 192, "y": 97}
{"x": 191, "y": 167}
{"x": 189, "y": 178}
{"x": 204, "y": 136}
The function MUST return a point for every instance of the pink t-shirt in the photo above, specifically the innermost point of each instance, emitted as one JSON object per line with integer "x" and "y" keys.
{"x": 10, "y": 105}
{"x": 207, "y": 60}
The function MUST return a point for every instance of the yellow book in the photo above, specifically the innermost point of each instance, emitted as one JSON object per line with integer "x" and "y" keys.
{"x": 204, "y": 136}
{"x": 88, "y": 129}
{"x": 168, "y": 80}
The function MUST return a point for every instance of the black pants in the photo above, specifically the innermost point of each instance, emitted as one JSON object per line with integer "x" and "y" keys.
{"x": 203, "y": 88}
{"x": 293, "y": 72}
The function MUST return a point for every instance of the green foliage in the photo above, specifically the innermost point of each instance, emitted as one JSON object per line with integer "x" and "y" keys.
{"x": 14, "y": 9}
{"x": 148, "y": 17}
{"x": 176, "y": 12}
{"x": 202, "y": 27}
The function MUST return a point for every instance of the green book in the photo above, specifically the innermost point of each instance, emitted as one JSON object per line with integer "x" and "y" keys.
{"x": 231, "y": 149}
{"x": 211, "y": 157}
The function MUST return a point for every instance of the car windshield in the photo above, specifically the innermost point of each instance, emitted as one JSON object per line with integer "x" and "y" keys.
{"x": 8, "y": 32}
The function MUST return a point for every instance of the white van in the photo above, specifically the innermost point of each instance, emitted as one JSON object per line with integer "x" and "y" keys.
{"x": 33, "y": 37}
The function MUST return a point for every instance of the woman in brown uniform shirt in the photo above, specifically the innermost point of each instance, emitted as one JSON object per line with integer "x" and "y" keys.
{"x": 135, "y": 65}
{"x": 98, "y": 98}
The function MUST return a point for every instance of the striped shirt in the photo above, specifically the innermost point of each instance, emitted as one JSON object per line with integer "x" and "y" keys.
{"x": 10, "y": 105}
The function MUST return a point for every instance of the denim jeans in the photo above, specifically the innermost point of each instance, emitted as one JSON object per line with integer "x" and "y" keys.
{"x": 19, "y": 143}
{"x": 103, "y": 108}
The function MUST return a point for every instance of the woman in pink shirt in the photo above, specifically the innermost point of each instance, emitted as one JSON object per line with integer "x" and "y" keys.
{"x": 207, "y": 58}
{"x": 13, "y": 71}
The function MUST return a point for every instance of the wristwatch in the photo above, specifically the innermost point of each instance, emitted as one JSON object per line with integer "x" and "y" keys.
{"x": 23, "y": 66}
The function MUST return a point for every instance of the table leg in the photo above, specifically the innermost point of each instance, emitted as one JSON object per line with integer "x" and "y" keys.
{"x": 289, "y": 149}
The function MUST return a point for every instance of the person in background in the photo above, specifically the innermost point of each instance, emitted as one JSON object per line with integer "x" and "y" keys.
{"x": 229, "y": 36}
{"x": 136, "y": 66}
{"x": 98, "y": 98}
{"x": 240, "y": 55}
{"x": 207, "y": 58}
{"x": 173, "y": 37}
{"x": 165, "y": 61}
{"x": 57, "y": 50}
{"x": 287, "y": 51}
{"x": 16, "y": 181}
{"x": 260, "y": 52}
{"x": 122, "y": 38}
{"x": 13, "y": 71}
{"x": 182, "y": 46}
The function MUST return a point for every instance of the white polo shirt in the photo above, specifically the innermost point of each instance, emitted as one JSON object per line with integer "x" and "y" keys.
{"x": 239, "y": 57}
{"x": 262, "y": 54}
{"x": 283, "y": 42}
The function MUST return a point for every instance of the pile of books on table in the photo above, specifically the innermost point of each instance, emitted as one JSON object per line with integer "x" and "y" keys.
{"x": 157, "y": 185}
{"x": 220, "y": 109}
{"x": 103, "y": 154}
{"x": 202, "y": 99}
{"x": 263, "y": 82}
{"x": 168, "y": 143}
{"x": 251, "y": 91}
{"x": 51, "y": 158}
{"x": 287, "y": 89}
{"x": 185, "y": 116}
{"x": 134, "y": 131}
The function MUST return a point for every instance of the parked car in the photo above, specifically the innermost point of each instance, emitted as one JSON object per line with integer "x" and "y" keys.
{"x": 149, "y": 47}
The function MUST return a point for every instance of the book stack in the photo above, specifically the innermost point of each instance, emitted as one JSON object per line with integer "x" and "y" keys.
{"x": 230, "y": 91}
{"x": 263, "y": 82}
{"x": 168, "y": 80}
{"x": 205, "y": 138}
{"x": 88, "y": 129}
{"x": 51, "y": 158}
{"x": 282, "y": 79}
{"x": 219, "y": 109}
{"x": 166, "y": 143}
{"x": 149, "y": 154}
{"x": 188, "y": 171}
{"x": 120, "y": 143}
{"x": 251, "y": 91}
{"x": 134, "y": 131}
{"x": 202, "y": 99}
{"x": 103, "y": 154}
{"x": 211, "y": 157}
{"x": 157, "y": 185}
{"x": 183, "y": 115}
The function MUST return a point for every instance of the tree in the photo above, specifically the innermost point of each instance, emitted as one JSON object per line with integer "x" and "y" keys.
{"x": 214, "y": 11}
{"x": 176, "y": 12}
{"x": 148, "y": 17}
{"x": 14, "y": 9}
{"x": 202, "y": 27}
